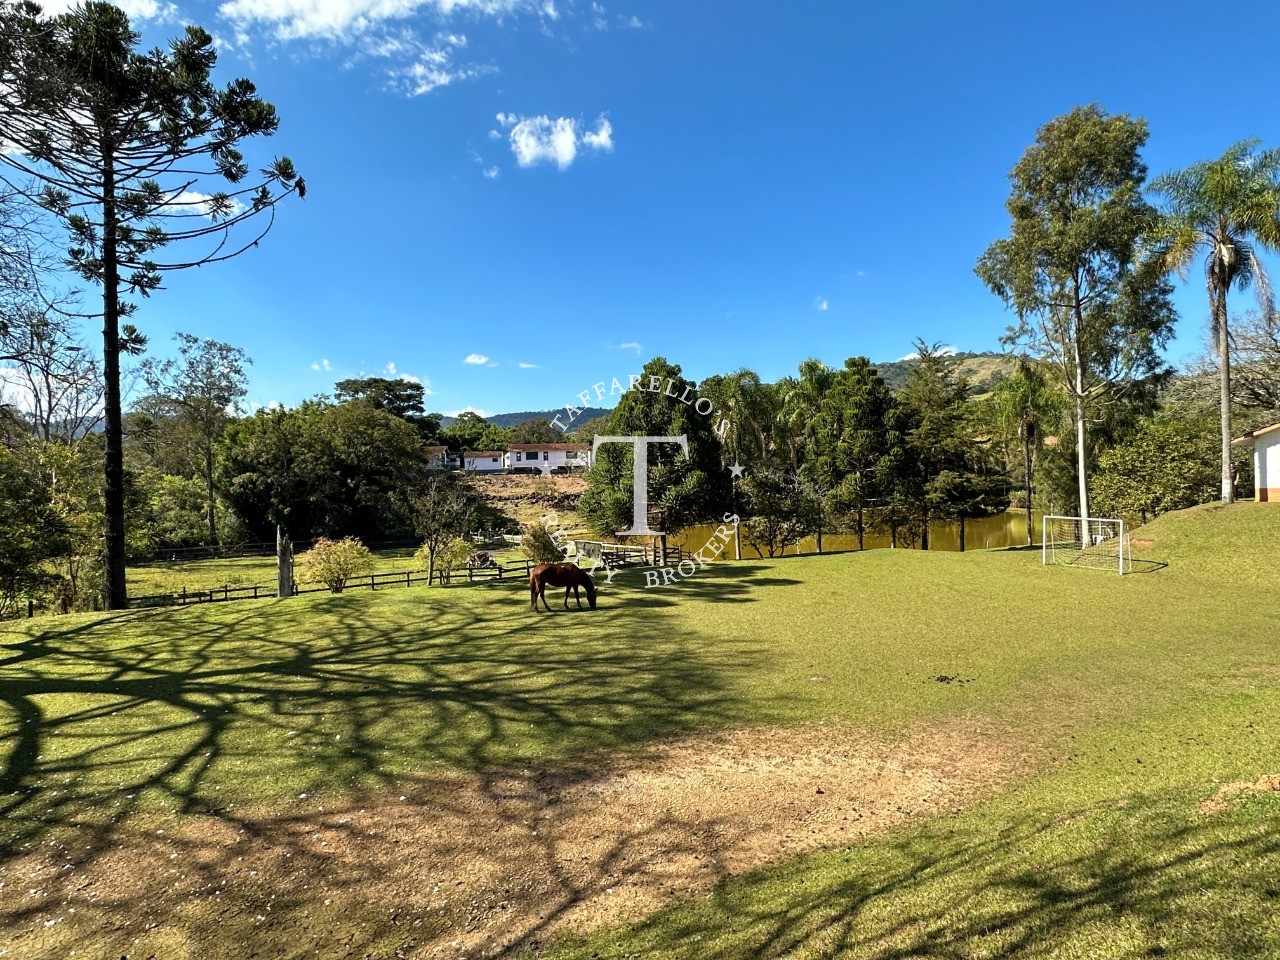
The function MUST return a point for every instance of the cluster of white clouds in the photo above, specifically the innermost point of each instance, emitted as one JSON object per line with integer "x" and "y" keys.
{"x": 158, "y": 11}
{"x": 558, "y": 140}
{"x": 484, "y": 360}
{"x": 420, "y": 67}
{"x": 344, "y": 19}
{"x": 600, "y": 18}
{"x": 821, "y": 304}
{"x": 390, "y": 370}
{"x": 630, "y": 345}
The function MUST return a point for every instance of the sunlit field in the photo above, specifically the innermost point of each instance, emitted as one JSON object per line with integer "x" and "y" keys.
{"x": 1116, "y": 709}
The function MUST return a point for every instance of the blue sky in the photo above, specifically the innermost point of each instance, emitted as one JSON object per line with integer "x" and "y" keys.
{"x": 726, "y": 185}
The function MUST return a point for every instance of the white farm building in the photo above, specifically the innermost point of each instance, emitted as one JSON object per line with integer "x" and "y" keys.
{"x": 483, "y": 461}
{"x": 1265, "y": 442}
{"x": 548, "y": 457}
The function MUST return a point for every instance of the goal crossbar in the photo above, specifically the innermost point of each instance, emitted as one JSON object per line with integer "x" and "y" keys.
{"x": 1097, "y": 543}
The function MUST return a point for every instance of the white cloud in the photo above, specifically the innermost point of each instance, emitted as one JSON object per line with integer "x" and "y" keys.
{"x": 342, "y": 19}
{"x": 507, "y": 120}
{"x": 476, "y": 359}
{"x": 542, "y": 139}
{"x": 630, "y": 345}
{"x": 495, "y": 134}
{"x": 193, "y": 201}
{"x": 601, "y": 138}
{"x": 492, "y": 173}
{"x": 947, "y": 351}
{"x": 161, "y": 12}
{"x": 821, "y": 304}
{"x": 527, "y": 366}
{"x": 476, "y": 410}
{"x": 391, "y": 370}
{"x": 322, "y": 364}
{"x": 429, "y": 66}
{"x": 632, "y": 22}
{"x": 424, "y": 383}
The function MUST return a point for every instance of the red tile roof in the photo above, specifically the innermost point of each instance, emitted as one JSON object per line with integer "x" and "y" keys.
{"x": 577, "y": 447}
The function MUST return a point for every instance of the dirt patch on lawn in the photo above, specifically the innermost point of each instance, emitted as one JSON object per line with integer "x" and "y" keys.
{"x": 476, "y": 865}
{"x": 1222, "y": 799}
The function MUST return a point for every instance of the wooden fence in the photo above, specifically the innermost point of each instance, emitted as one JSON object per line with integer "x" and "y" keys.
{"x": 515, "y": 571}
{"x": 610, "y": 555}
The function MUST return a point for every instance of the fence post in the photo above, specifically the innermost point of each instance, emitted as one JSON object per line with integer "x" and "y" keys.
{"x": 407, "y": 575}
{"x": 255, "y": 591}
{"x": 372, "y": 584}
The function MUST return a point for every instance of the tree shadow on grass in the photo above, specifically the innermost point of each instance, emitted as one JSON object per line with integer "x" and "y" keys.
{"x": 1164, "y": 885}
{"x": 726, "y": 582}
{"x": 204, "y": 710}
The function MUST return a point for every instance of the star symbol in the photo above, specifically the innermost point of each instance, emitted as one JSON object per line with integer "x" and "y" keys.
{"x": 737, "y": 470}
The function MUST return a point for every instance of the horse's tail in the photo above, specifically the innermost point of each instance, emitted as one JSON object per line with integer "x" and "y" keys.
{"x": 591, "y": 589}
{"x": 533, "y": 590}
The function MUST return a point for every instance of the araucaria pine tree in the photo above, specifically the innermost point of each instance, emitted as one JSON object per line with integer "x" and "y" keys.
{"x": 120, "y": 147}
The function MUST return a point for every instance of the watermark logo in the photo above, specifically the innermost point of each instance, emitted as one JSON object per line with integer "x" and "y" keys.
{"x": 640, "y": 478}
{"x": 606, "y": 558}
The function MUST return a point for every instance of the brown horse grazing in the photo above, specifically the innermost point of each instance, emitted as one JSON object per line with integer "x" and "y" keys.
{"x": 567, "y": 575}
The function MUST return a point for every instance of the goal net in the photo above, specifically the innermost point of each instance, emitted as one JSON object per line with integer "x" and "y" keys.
{"x": 1099, "y": 544}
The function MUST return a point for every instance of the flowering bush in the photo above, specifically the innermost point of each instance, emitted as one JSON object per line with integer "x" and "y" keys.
{"x": 334, "y": 562}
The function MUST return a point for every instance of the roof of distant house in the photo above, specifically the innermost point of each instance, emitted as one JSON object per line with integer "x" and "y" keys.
{"x": 550, "y": 446}
{"x": 477, "y": 454}
{"x": 1253, "y": 434}
{"x": 439, "y": 449}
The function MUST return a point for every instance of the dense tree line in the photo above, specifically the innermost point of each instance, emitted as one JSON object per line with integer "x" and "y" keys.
{"x": 115, "y": 451}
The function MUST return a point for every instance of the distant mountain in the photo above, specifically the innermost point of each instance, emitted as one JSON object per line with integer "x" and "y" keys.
{"x": 511, "y": 419}
{"x": 983, "y": 370}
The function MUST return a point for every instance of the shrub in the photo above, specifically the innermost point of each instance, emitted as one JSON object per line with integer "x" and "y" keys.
{"x": 334, "y": 562}
{"x": 539, "y": 544}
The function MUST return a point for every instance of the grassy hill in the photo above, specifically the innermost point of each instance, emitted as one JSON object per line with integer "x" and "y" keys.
{"x": 982, "y": 370}
{"x": 192, "y": 780}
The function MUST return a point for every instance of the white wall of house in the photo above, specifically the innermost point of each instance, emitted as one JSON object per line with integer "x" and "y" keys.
{"x": 1266, "y": 467}
{"x": 492, "y": 463}
{"x": 546, "y": 460}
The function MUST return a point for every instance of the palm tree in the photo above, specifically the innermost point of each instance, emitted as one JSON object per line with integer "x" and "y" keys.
{"x": 1023, "y": 405}
{"x": 1226, "y": 210}
{"x": 799, "y": 399}
{"x": 744, "y": 402}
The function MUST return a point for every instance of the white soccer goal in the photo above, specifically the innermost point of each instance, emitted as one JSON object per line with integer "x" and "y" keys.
{"x": 1097, "y": 543}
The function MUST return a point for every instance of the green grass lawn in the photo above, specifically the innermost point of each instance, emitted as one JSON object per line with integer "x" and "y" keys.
{"x": 1138, "y": 696}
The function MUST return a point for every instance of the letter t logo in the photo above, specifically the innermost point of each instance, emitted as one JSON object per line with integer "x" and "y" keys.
{"x": 640, "y": 478}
